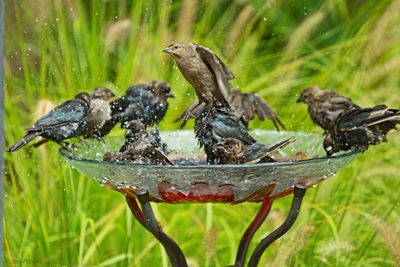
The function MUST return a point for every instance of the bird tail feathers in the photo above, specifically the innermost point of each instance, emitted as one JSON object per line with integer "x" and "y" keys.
{"x": 23, "y": 141}
{"x": 385, "y": 120}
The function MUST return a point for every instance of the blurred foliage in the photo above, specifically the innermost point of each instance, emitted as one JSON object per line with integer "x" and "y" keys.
{"x": 54, "y": 49}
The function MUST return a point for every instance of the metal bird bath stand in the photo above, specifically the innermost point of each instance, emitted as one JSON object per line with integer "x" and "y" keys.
{"x": 213, "y": 183}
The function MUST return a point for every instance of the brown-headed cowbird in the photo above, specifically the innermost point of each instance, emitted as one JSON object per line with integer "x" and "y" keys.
{"x": 65, "y": 121}
{"x": 137, "y": 147}
{"x": 144, "y": 102}
{"x": 214, "y": 125}
{"x": 361, "y": 127}
{"x": 208, "y": 75}
{"x": 325, "y": 106}
{"x": 99, "y": 119}
{"x": 245, "y": 106}
{"x": 234, "y": 151}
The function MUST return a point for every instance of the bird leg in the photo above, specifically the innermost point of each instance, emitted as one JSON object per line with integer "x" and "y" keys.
{"x": 41, "y": 142}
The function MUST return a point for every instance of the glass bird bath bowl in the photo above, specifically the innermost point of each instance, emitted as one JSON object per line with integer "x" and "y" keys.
{"x": 302, "y": 164}
{"x": 211, "y": 183}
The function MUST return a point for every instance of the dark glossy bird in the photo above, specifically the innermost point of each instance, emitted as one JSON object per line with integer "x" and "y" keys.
{"x": 204, "y": 70}
{"x": 65, "y": 121}
{"x": 234, "y": 151}
{"x": 144, "y": 102}
{"x": 99, "y": 121}
{"x": 136, "y": 132}
{"x": 361, "y": 127}
{"x": 325, "y": 106}
{"x": 246, "y": 107}
{"x": 137, "y": 147}
{"x": 216, "y": 124}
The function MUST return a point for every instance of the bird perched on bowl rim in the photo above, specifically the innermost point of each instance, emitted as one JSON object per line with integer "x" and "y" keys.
{"x": 204, "y": 70}
{"x": 65, "y": 121}
{"x": 361, "y": 127}
{"x": 325, "y": 106}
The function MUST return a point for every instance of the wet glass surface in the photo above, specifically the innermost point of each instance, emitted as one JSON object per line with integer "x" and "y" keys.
{"x": 186, "y": 182}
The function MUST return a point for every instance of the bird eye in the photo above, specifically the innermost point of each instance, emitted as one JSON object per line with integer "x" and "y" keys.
{"x": 175, "y": 47}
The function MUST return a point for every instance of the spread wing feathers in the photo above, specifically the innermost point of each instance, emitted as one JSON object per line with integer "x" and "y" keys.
{"x": 214, "y": 61}
{"x": 222, "y": 73}
{"x": 257, "y": 151}
{"x": 258, "y": 106}
{"x": 70, "y": 111}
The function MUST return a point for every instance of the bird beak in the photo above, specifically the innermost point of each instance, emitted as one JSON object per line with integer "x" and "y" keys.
{"x": 170, "y": 95}
{"x": 299, "y": 100}
{"x": 167, "y": 50}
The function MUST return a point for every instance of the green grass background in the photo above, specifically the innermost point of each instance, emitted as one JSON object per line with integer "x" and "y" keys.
{"x": 54, "y": 49}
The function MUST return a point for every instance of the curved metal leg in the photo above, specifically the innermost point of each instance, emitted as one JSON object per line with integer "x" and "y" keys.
{"x": 299, "y": 192}
{"x": 250, "y": 231}
{"x": 147, "y": 220}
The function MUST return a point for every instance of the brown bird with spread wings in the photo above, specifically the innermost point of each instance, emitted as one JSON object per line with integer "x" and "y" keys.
{"x": 208, "y": 75}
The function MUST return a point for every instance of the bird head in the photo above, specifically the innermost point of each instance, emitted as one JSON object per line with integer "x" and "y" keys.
{"x": 161, "y": 89}
{"x": 102, "y": 93}
{"x": 177, "y": 50}
{"x": 308, "y": 94}
{"x": 83, "y": 96}
{"x": 330, "y": 146}
{"x": 231, "y": 148}
{"x": 134, "y": 130}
